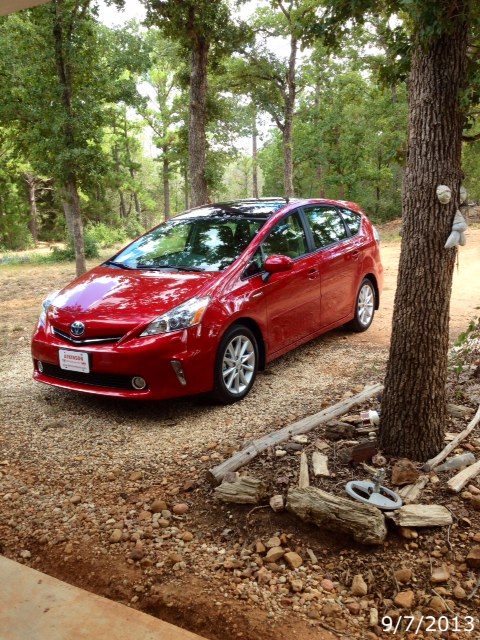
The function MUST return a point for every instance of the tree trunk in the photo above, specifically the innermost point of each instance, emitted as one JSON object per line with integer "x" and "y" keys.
{"x": 186, "y": 189}
{"x": 32, "y": 199}
{"x": 75, "y": 224}
{"x": 288, "y": 126}
{"x": 197, "y": 140}
{"x": 414, "y": 409}
{"x": 131, "y": 170}
{"x": 166, "y": 184}
{"x": 254, "y": 156}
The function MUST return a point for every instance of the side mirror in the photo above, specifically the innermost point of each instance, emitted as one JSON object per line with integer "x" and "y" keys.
{"x": 276, "y": 264}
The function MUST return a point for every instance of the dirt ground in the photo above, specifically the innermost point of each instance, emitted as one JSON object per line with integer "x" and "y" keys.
{"x": 74, "y": 470}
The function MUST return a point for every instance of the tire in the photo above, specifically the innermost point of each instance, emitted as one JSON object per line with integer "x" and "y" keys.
{"x": 364, "y": 307}
{"x": 236, "y": 364}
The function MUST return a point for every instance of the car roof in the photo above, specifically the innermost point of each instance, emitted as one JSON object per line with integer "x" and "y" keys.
{"x": 257, "y": 207}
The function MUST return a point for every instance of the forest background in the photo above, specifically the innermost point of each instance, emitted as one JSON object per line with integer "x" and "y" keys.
{"x": 345, "y": 104}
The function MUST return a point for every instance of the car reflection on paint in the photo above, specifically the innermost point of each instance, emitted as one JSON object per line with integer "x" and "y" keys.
{"x": 201, "y": 303}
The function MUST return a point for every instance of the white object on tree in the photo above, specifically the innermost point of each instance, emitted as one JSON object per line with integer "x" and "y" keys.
{"x": 463, "y": 195}
{"x": 457, "y": 235}
{"x": 444, "y": 193}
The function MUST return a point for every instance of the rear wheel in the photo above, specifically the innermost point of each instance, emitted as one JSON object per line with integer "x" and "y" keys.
{"x": 236, "y": 364}
{"x": 364, "y": 307}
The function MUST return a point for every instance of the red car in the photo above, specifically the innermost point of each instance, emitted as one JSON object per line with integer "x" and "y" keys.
{"x": 201, "y": 303}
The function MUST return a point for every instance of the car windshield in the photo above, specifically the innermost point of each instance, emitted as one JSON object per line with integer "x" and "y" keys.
{"x": 191, "y": 243}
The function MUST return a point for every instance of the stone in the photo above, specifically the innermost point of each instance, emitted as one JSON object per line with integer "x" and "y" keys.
{"x": 163, "y": 523}
{"x": 25, "y": 554}
{"x": 274, "y": 554}
{"x": 293, "y": 559}
{"x": 277, "y": 503}
{"x": 173, "y": 558}
{"x": 407, "y": 533}
{"x": 300, "y": 439}
{"x": 405, "y": 599}
{"x": 76, "y": 499}
{"x": 260, "y": 547}
{"x": 145, "y": 516}
{"x": 359, "y": 586}
{"x": 327, "y": 585}
{"x": 404, "y": 472}
{"x": 136, "y": 475}
{"x": 459, "y": 592}
{"x": 331, "y": 609}
{"x": 475, "y": 502}
{"x": 438, "y": 604}
{"x": 180, "y": 509}
{"x": 296, "y": 585}
{"x": 137, "y": 554}
{"x": 403, "y": 575}
{"x": 116, "y": 536}
{"x": 273, "y": 542}
{"x": 69, "y": 549}
{"x": 354, "y": 608}
{"x": 373, "y": 618}
{"x": 473, "y": 558}
{"x": 187, "y": 536}
{"x": 280, "y": 453}
{"x": 264, "y": 575}
{"x": 440, "y": 574}
{"x": 158, "y": 506}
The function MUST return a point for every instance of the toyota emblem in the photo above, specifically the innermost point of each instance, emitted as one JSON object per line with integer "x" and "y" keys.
{"x": 77, "y": 328}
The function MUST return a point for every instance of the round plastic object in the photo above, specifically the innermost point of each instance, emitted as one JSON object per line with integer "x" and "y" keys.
{"x": 374, "y": 494}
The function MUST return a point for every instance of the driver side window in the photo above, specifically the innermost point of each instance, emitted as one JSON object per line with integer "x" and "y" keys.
{"x": 287, "y": 238}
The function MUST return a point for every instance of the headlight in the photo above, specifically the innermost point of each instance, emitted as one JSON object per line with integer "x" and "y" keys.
{"x": 185, "y": 315}
{"x": 45, "y": 304}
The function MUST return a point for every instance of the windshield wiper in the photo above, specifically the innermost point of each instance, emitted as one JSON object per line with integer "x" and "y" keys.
{"x": 120, "y": 265}
{"x": 170, "y": 266}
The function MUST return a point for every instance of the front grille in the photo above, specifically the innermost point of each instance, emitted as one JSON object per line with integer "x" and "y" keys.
{"x": 102, "y": 340}
{"x": 107, "y": 380}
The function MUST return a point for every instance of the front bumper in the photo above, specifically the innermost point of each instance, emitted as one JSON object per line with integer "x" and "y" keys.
{"x": 113, "y": 366}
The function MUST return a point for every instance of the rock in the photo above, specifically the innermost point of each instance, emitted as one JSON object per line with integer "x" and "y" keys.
{"x": 136, "y": 475}
{"x": 473, "y": 489}
{"x": 359, "y": 586}
{"x": 373, "y": 621}
{"x": 280, "y": 453}
{"x": 404, "y": 599}
{"x": 187, "y": 536}
{"x": 440, "y": 574}
{"x": 274, "y": 554}
{"x": 475, "y": 502}
{"x": 407, "y": 533}
{"x": 459, "y": 592}
{"x": 379, "y": 460}
{"x": 403, "y": 575}
{"x": 137, "y": 553}
{"x": 69, "y": 549}
{"x": 296, "y": 585}
{"x": 264, "y": 575}
{"x": 76, "y": 499}
{"x": 327, "y": 585}
{"x": 116, "y": 536}
{"x": 473, "y": 558}
{"x": 158, "y": 506}
{"x": 404, "y": 472}
{"x": 145, "y": 516}
{"x": 163, "y": 523}
{"x": 174, "y": 558}
{"x": 293, "y": 560}
{"x": 273, "y": 542}
{"x": 438, "y": 604}
{"x": 331, "y": 609}
{"x": 277, "y": 503}
{"x": 260, "y": 547}
{"x": 25, "y": 554}
{"x": 300, "y": 439}
{"x": 354, "y": 608}
{"x": 180, "y": 509}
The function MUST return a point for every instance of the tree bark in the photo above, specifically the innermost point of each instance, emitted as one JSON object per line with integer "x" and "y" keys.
{"x": 254, "y": 156}
{"x": 197, "y": 140}
{"x": 288, "y": 126}
{"x": 32, "y": 199}
{"x": 73, "y": 206}
{"x": 414, "y": 408}
{"x": 166, "y": 184}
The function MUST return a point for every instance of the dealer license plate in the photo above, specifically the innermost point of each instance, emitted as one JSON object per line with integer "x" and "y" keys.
{"x": 74, "y": 361}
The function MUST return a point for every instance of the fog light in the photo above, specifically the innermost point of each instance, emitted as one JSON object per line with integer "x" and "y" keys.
{"x": 138, "y": 383}
{"x": 177, "y": 367}
{"x": 40, "y": 366}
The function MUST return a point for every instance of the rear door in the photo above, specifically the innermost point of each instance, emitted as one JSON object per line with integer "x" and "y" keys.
{"x": 337, "y": 259}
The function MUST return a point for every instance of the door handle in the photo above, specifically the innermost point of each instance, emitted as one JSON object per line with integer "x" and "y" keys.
{"x": 355, "y": 254}
{"x": 312, "y": 273}
{"x": 256, "y": 295}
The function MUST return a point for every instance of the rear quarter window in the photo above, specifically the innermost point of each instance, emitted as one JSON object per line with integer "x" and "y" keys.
{"x": 353, "y": 220}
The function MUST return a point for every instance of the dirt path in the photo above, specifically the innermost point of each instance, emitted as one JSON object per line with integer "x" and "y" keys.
{"x": 75, "y": 469}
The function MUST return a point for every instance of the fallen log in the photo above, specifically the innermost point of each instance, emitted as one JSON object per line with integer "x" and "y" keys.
{"x": 362, "y": 521}
{"x": 244, "y": 491}
{"x": 239, "y": 459}
{"x": 422, "y": 515}
{"x": 320, "y": 464}
{"x": 411, "y": 492}
{"x": 433, "y": 462}
{"x": 304, "y": 478}
{"x": 459, "y": 480}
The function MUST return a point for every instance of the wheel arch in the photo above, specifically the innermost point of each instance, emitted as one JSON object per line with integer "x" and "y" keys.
{"x": 373, "y": 280}
{"x": 257, "y": 332}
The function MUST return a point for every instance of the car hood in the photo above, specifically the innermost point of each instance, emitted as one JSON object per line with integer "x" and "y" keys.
{"x": 107, "y": 293}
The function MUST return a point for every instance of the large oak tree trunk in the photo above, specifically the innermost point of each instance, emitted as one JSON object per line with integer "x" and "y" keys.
{"x": 288, "y": 126}
{"x": 414, "y": 406}
{"x": 197, "y": 140}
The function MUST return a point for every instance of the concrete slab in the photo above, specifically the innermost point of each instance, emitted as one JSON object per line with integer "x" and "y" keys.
{"x": 34, "y": 606}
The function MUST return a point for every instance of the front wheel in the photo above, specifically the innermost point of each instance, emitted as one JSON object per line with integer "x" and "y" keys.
{"x": 236, "y": 364}
{"x": 364, "y": 307}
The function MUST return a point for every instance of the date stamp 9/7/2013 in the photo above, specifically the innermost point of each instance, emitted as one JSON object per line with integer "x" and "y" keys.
{"x": 430, "y": 624}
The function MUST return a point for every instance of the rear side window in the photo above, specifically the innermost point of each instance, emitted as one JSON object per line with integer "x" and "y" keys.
{"x": 353, "y": 220}
{"x": 287, "y": 238}
{"x": 326, "y": 224}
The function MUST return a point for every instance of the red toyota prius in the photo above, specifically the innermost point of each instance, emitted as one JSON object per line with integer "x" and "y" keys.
{"x": 201, "y": 303}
